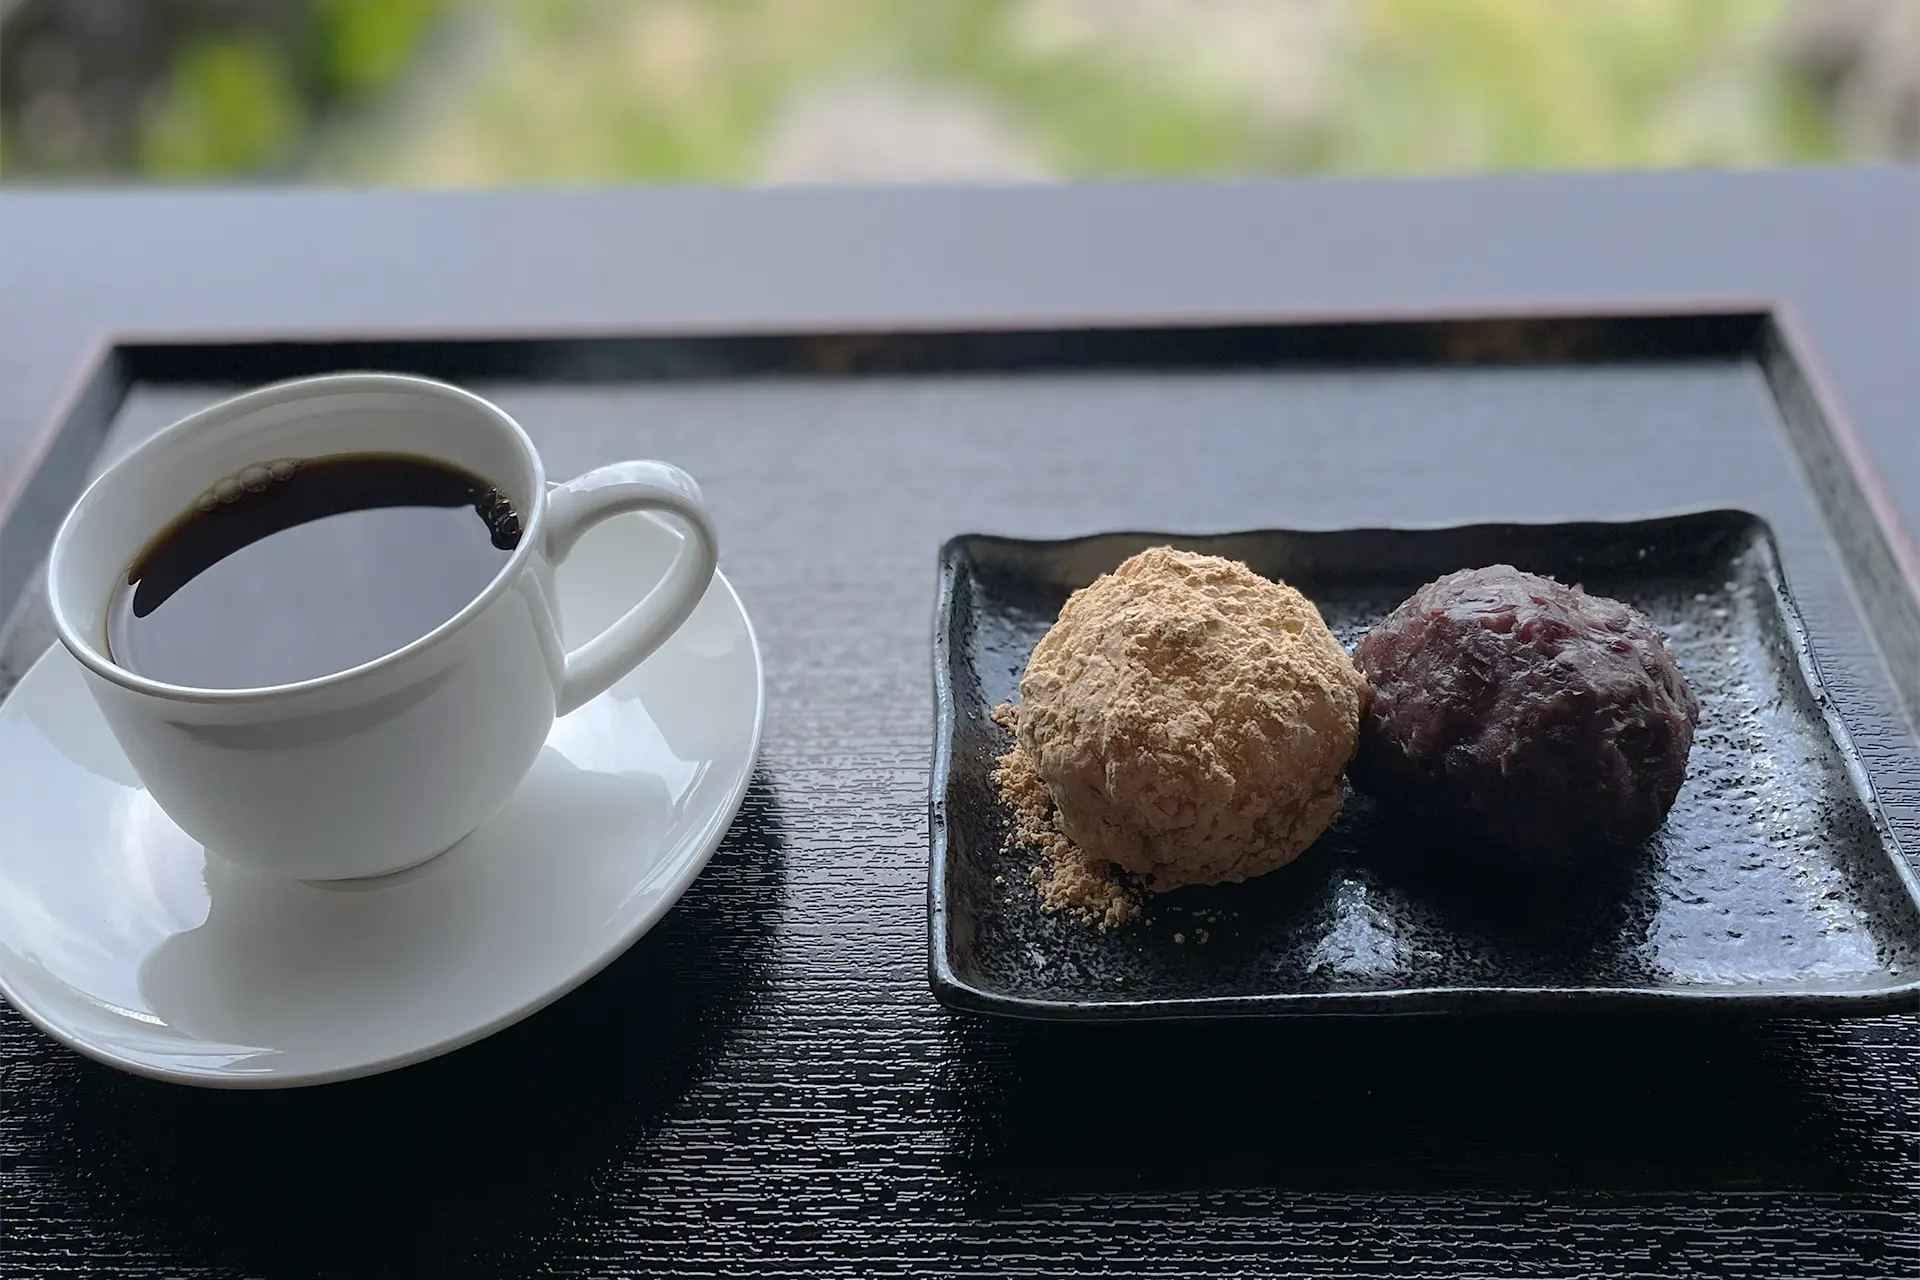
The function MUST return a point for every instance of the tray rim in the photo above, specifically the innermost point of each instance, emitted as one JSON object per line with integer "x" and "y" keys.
{"x": 957, "y": 992}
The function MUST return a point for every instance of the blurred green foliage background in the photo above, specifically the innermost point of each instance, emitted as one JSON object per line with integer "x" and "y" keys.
{"x": 439, "y": 93}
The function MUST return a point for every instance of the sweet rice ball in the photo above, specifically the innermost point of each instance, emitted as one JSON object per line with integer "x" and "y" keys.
{"x": 1543, "y": 721}
{"x": 1191, "y": 719}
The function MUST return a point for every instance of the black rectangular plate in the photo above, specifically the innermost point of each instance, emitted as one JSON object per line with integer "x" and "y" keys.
{"x": 1775, "y": 884}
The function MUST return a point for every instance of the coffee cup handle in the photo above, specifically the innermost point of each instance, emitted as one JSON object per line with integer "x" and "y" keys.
{"x": 576, "y": 506}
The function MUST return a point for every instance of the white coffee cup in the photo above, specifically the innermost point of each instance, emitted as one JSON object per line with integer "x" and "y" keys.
{"x": 382, "y": 766}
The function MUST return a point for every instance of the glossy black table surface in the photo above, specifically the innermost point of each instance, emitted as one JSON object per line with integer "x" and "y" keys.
{"x": 765, "y": 1085}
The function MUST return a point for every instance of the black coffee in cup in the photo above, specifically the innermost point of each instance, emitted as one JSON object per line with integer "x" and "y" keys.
{"x": 293, "y": 569}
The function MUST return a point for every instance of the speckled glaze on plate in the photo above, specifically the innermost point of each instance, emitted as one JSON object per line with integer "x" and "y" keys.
{"x": 1774, "y": 887}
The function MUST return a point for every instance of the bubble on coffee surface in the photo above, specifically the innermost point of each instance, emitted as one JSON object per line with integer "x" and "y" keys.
{"x": 257, "y": 477}
{"x": 502, "y": 521}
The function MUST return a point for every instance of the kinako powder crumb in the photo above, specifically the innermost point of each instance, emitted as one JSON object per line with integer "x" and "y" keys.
{"x": 1084, "y": 889}
{"x": 1184, "y": 721}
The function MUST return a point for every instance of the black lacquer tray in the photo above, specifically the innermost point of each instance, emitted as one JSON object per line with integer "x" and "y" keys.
{"x": 767, "y": 1081}
{"x": 1775, "y": 882}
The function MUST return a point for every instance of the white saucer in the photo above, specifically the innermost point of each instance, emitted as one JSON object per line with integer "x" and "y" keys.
{"x": 121, "y": 937}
